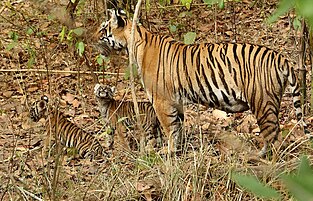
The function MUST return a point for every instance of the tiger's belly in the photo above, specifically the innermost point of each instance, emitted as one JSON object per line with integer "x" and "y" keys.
{"x": 230, "y": 103}
{"x": 221, "y": 100}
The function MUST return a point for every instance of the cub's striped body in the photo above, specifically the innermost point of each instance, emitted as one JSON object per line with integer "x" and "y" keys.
{"x": 231, "y": 77}
{"x": 120, "y": 115}
{"x": 68, "y": 133}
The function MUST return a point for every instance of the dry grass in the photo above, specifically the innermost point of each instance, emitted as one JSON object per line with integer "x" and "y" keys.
{"x": 214, "y": 149}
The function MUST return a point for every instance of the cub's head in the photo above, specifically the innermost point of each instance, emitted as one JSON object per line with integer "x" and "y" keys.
{"x": 38, "y": 109}
{"x": 104, "y": 92}
{"x": 112, "y": 32}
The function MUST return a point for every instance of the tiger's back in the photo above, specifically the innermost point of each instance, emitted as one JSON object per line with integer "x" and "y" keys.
{"x": 69, "y": 134}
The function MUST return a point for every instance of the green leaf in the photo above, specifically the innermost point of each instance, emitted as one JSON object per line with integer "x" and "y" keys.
{"x": 304, "y": 8}
{"x": 62, "y": 34}
{"x": 69, "y": 36}
{"x": 172, "y": 28}
{"x": 301, "y": 185}
{"x": 189, "y": 38}
{"x": 10, "y": 46}
{"x": 127, "y": 72}
{"x": 253, "y": 185}
{"x": 212, "y": 2}
{"x": 79, "y": 31}
{"x": 283, "y": 7}
{"x": 100, "y": 59}
{"x": 221, "y": 4}
{"x": 30, "y": 62}
{"x": 13, "y": 35}
{"x": 29, "y": 31}
{"x": 80, "y": 46}
{"x": 148, "y": 5}
{"x": 297, "y": 23}
{"x": 186, "y": 3}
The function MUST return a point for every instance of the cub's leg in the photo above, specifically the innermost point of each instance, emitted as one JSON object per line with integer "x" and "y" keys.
{"x": 171, "y": 118}
{"x": 121, "y": 138}
{"x": 151, "y": 139}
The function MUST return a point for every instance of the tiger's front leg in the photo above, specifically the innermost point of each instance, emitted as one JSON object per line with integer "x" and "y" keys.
{"x": 171, "y": 118}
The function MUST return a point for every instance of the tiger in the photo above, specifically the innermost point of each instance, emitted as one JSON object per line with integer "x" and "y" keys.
{"x": 233, "y": 77}
{"x": 69, "y": 134}
{"x": 120, "y": 117}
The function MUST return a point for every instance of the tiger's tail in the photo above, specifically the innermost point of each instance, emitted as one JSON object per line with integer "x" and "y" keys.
{"x": 295, "y": 88}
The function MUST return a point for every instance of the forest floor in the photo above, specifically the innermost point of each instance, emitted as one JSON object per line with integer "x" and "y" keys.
{"x": 37, "y": 60}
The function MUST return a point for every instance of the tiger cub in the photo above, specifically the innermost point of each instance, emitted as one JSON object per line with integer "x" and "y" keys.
{"x": 69, "y": 134}
{"x": 120, "y": 116}
{"x": 232, "y": 77}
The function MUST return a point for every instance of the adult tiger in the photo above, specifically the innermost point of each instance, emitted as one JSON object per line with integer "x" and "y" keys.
{"x": 68, "y": 133}
{"x": 120, "y": 115}
{"x": 232, "y": 77}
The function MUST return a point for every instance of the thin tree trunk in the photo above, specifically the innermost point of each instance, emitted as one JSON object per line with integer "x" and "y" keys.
{"x": 302, "y": 67}
{"x": 131, "y": 66}
{"x": 311, "y": 61}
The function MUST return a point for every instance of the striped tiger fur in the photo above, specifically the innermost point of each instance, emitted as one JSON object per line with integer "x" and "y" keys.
{"x": 120, "y": 115}
{"x": 68, "y": 133}
{"x": 232, "y": 77}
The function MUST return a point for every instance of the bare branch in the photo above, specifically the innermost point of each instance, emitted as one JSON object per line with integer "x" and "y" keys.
{"x": 56, "y": 71}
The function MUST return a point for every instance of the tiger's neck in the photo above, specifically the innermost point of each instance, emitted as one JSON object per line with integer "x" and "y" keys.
{"x": 144, "y": 40}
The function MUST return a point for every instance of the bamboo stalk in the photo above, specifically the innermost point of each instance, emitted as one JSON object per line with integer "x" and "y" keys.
{"x": 56, "y": 71}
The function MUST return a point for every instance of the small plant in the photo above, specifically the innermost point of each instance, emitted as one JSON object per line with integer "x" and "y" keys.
{"x": 72, "y": 37}
{"x": 221, "y": 3}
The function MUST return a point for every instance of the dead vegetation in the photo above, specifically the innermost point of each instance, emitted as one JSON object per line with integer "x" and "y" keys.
{"x": 36, "y": 61}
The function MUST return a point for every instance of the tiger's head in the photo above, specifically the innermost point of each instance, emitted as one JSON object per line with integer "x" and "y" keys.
{"x": 39, "y": 108}
{"x": 104, "y": 92}
{"x": 112, "y": 32}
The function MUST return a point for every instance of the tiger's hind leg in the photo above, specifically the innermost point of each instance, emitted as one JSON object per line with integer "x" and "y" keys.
{"x": 269, "y": 126}
{"x": 171, "y": 118}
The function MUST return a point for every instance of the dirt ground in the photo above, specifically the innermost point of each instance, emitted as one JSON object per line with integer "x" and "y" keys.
{"x": 36, "y": 60}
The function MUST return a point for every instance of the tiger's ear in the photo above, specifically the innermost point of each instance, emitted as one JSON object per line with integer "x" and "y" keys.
{"x": 116, "y": 17}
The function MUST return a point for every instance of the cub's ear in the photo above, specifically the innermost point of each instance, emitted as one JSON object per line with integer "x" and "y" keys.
{"x": 113, "y": 89}
{"x": 97, "y": 86}
{"x": 45, "y": 98}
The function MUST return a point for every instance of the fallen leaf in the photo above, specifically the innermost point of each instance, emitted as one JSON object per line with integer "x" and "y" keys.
{"x": 75, "y": 103}
{"x": 32, "y": 89}
{"x": 7, "y": 94}
{"x": 219, "y": 114}
{"x": 69, "y": 98}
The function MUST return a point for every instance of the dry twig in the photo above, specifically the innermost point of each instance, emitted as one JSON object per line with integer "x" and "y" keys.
{"x": 56, "y": 71}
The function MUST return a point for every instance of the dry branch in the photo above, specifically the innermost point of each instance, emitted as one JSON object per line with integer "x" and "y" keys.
{"x": 56, "y": 71}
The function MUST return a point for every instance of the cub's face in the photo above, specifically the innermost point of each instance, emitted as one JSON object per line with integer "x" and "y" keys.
{"x": 39, "y": 108}
{"x": 104, "y": 92}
